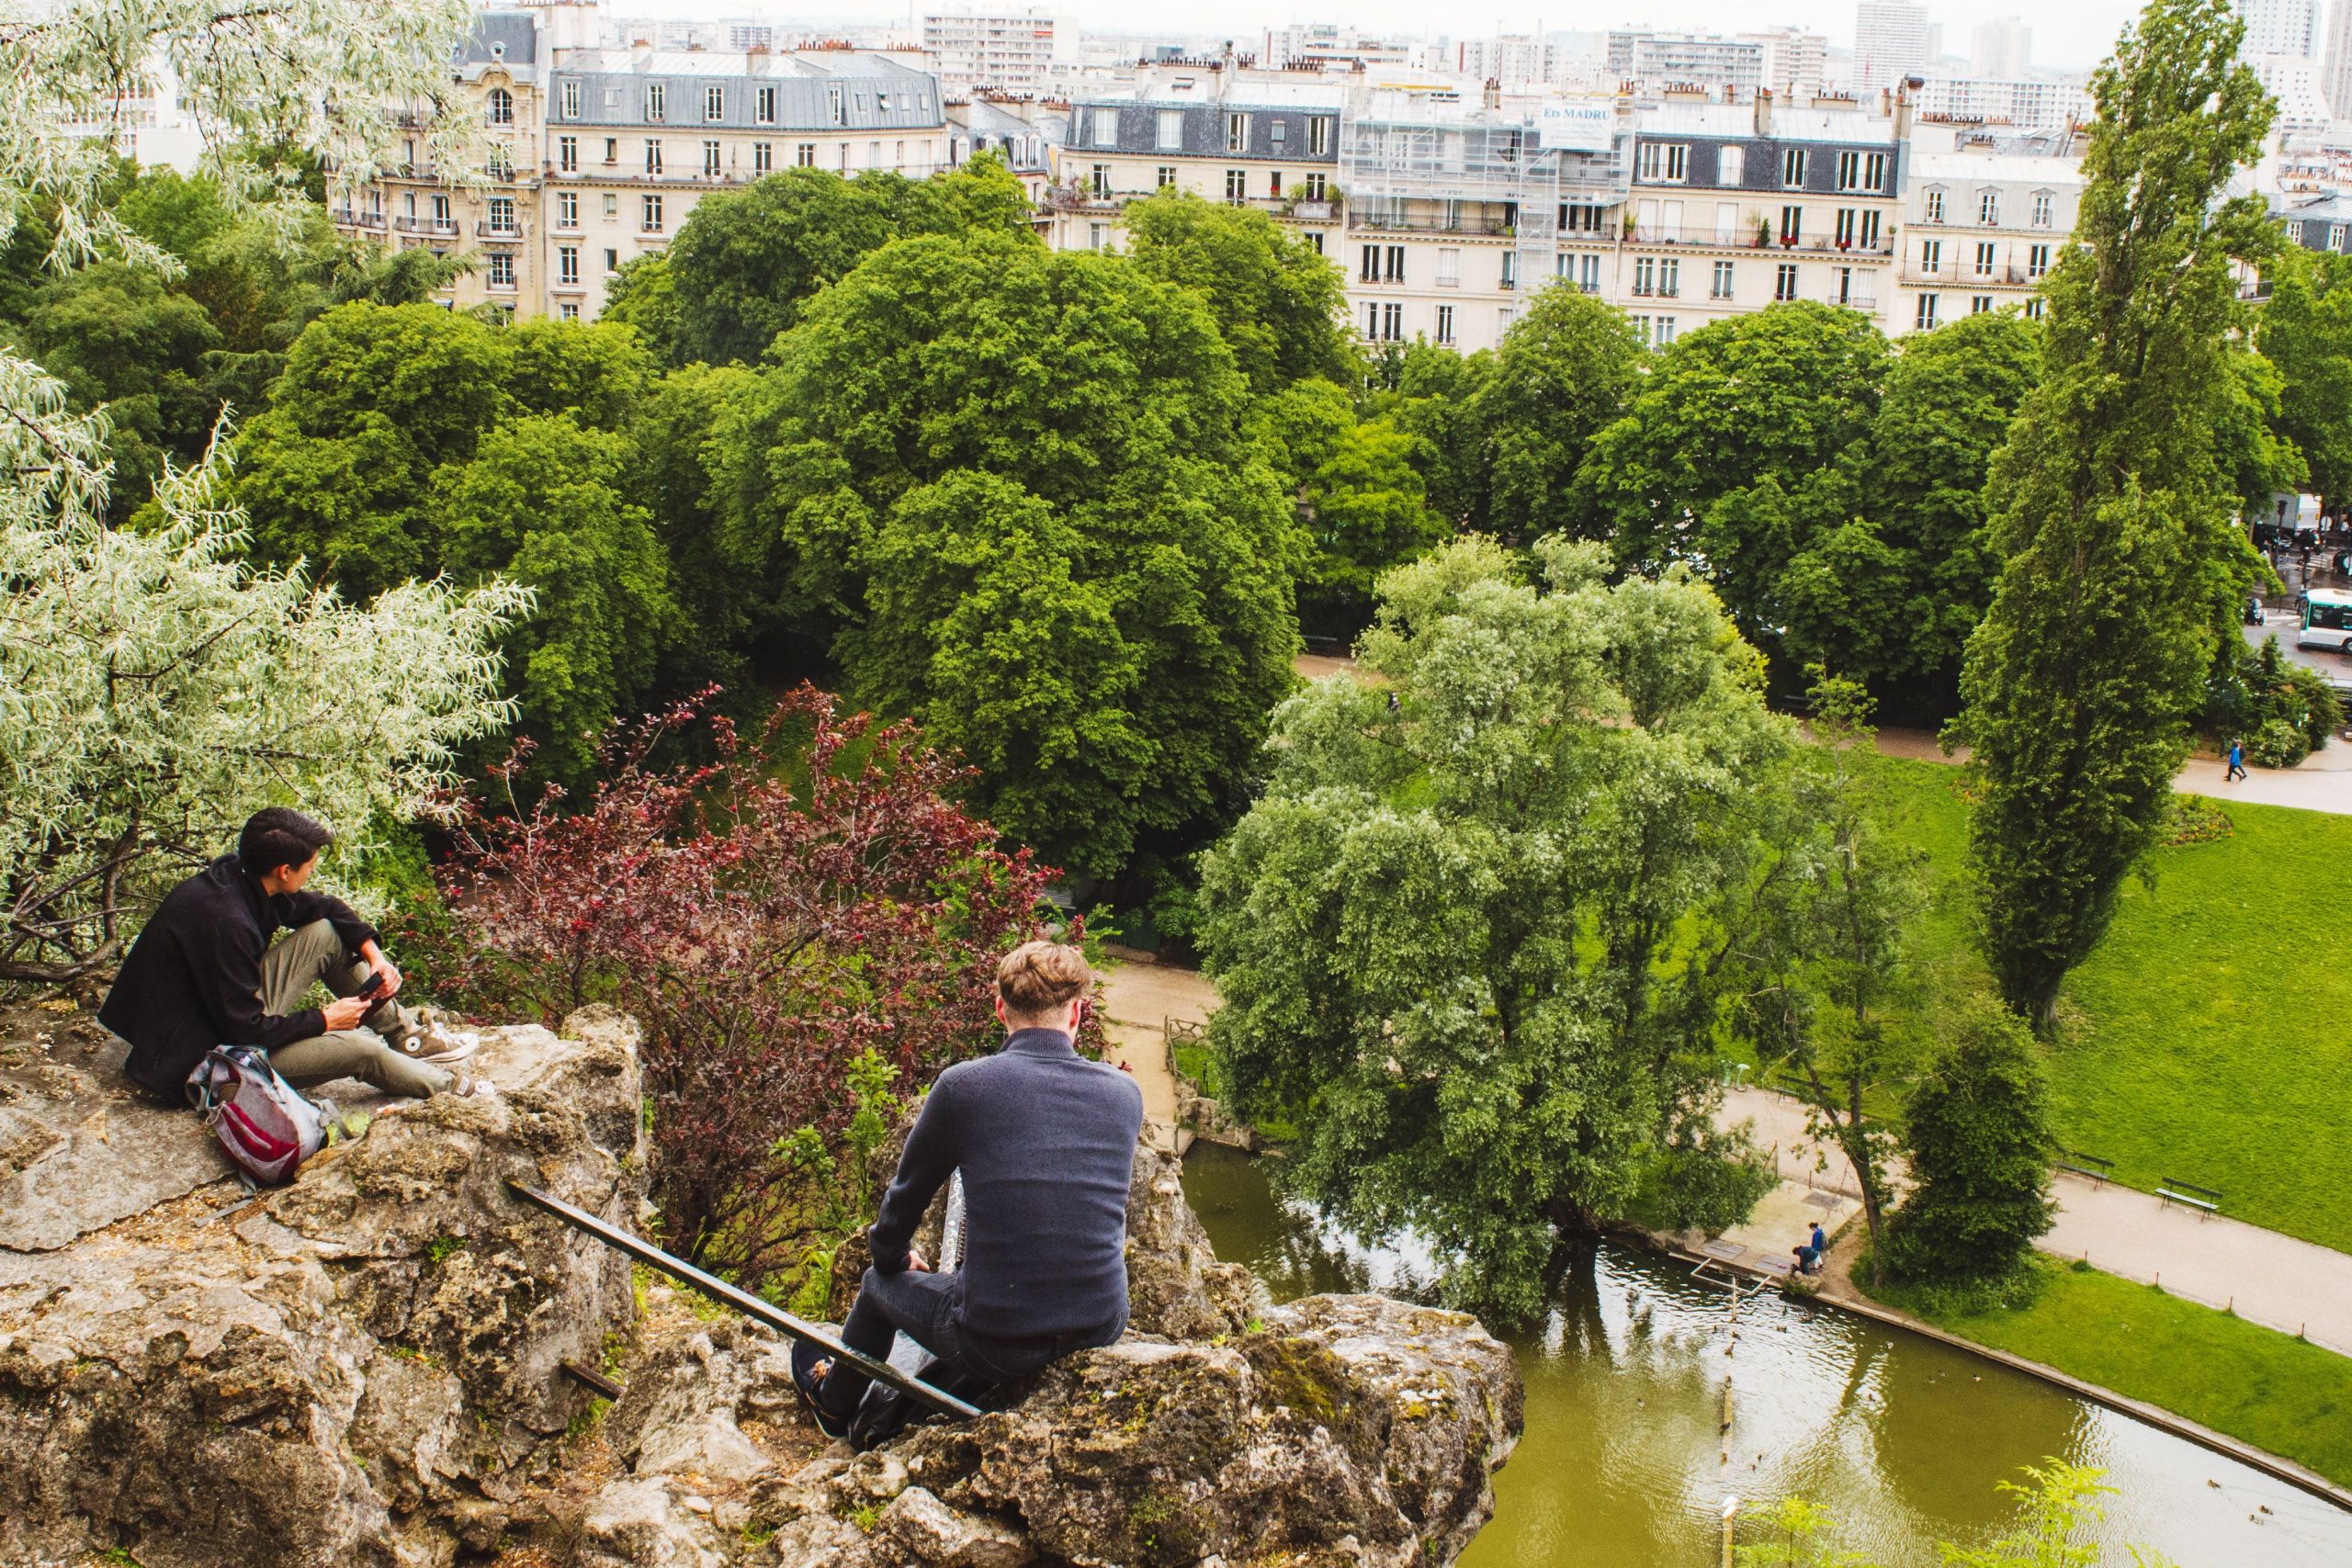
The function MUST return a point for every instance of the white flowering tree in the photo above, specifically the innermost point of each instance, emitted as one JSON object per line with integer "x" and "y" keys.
{"x": 154, "y": 688}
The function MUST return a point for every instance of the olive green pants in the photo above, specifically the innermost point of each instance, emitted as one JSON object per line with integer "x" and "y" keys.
{"x": 315, "y": 954}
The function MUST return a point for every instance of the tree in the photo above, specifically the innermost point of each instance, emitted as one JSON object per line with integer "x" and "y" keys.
{"x": 2305, "y": 330}
{"x": 1749, "y": 439}
{"x": 1565, "y": 372}
{"x": 770, "y": 930}
{"x": 1430, "y": 395}
{"x": 541, "y": 503}
{"x": 716, "y": 588}
{"x": 1452, "y": 934}
{"x": 746, "y": 261}
{"x": 1976, "y": 1131}
{"x": 2112, "y": 504}
{"x": 1950, "y": 397}
{"x": 1279, "y": 303}
{"x": 1821, "y": 956}
{"x": 1084, "y": 387}
{"x": 1360, "y": 493}
{"x": 643, "y": 296}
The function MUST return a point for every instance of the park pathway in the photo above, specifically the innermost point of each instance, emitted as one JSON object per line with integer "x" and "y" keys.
{"x": 2263, "y": 1276}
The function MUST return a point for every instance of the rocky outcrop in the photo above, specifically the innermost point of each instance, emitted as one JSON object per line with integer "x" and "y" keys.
{"x": 360, "y": 1367}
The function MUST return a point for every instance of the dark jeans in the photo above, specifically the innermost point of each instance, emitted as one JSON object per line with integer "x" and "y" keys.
{"x": 921, "y": 1304}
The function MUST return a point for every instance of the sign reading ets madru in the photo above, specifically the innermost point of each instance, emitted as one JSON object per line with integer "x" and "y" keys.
{"x": 1577, "y": 126}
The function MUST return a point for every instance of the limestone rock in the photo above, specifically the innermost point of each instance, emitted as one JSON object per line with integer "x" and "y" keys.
{"x": 648, "y": 1522}
{"x": 328, "y": 1374}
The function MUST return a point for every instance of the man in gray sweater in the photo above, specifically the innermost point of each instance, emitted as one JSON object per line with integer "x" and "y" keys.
{"x": 1046, "y": 1142}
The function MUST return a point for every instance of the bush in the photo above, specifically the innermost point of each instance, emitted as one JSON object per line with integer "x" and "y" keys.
{"x": 803, "y": 944}
{"x": 2282, "y": 712}
{"x": 1978, "y": 1138}
{"x": 2278, "y": 744}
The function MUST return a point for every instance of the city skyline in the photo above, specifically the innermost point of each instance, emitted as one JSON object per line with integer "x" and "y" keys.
{"x": 2077, "y": 39}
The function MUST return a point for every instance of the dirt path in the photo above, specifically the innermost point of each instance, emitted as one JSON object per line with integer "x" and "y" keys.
{"x": 1140, "y": 999}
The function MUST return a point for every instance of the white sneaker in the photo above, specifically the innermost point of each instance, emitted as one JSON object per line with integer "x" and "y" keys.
{"x": 438, "y": 1043}
{"x": 473, "y": 1086}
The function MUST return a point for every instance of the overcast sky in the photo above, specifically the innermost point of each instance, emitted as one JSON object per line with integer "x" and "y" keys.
{"x": 2075, "y": 36}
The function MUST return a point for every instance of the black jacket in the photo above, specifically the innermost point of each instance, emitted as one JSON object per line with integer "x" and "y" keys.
{"x": 1046, "y": 1142}
{"x": 193, "y": 979}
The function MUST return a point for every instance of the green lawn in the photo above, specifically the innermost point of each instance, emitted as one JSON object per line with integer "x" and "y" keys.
{"x": 2210, "y": 1038}
{"x": 2272, "y": 1390}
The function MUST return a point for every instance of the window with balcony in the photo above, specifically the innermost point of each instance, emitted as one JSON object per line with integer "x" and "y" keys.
{"x": 1932, "y": 256}
{"x": 1169, "y": 134}
{"x": 1849, "y": 225}
{"x": 710, "y": 160}
{"x": 1791, "y": 225}
{"x": 502, "y": 216}
{"x": 1792, "y": 162}
{"x": 655, "y": 106}
{"x": 2045, "y": 210}
{"x": 1985, "y": 250}
{"x": 1274, "y": 183}
{"x": 1869, "y": 240}
{"x": 1580, "y": 216}
{"x": 1510, "y": 269}
{"x": 567, "y": 263}
{"x": 568, "y": 98}
{"x": 652, "y": 215}
{"x": 714, "y": 103}
{"x": 566, "y": 209}
{"x": 1926, "y": 319}
{"x": 567, "y": 154}
{"x": 502, "y": 107}
{"x": 652, "y": 156}
{"x": 1670, "y": 278}
{"x": 1445, "y": 324}
{"x": 1449, "y": 268}
{"x": 764, "y": 106}
{"x": 1784, "y": 281}
{"x": 1719, "y": 286}
{"x": 1931, "y": 205}
{"x": 763, "y": 157}
{"x": 501, "y": 165}
{"x": 1646, "y": 275}
{"x": 1988, "y": 206}
{"x": 441, "y": 221}
{"x": 1237, "y": 133}
{"x": 2037, "y": 260}
{"x": 1237, "y": 186}
{"x": 1317, "y": 189}
{"x": 1098, "y": 182}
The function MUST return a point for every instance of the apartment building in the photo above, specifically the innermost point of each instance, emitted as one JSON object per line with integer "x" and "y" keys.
{"x": 594, "y": 156}
{"x": 1022, "y": 131}
{"x": 1658, "y": 59}
{"x": 1983, "y": 221}
{"x": 2279, "y": 27}
{"x": 992, "y": 47}
{"x": 1795, "y": 61}
{"x": 2028, "y": 103}
{"x": 1892, "y": 40}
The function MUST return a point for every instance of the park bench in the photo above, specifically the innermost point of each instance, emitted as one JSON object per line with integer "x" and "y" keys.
{"x": 2204, "y": 1199}
{"x": 2082, "y": 1164}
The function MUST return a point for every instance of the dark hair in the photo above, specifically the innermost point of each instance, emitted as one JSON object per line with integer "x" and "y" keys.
{"x": 280, "y": 835}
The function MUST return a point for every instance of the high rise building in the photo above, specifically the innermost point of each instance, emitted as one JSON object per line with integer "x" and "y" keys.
{"x": 2279, "y": 27}
{"x": 1686, "y": 59}
{"x": 2003, "y": 47}
{"x": 991, "y": 47}
{"x": 2335, "y": 72}
{"x": 1890, "y": 41}
{"x": 1794, "y": 60}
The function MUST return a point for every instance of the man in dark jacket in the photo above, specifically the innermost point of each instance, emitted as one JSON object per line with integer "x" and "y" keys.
{"x": 1046, "y": 1143}
{"x": 204, "y": 973}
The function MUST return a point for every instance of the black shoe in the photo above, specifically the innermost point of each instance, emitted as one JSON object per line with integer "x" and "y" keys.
{"x": 805, "y": 1358}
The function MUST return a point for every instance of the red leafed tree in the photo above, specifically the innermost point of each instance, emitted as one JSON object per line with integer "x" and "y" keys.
{"x": 768, "y": 924}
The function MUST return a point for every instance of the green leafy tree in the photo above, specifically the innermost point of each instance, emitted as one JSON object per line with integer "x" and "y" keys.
{"x": 2306, "y": 332}
{"x": 2112, "y": 504}
{"x": 1432, "y": 394}
{"x": 1279, "y": 302}
{"x": 1951, "y": 396}
{"x": 746, "y": 261}
{"x": 716, "y": 588}
{"x": 1819, "y": 973}
{"x": 643, "y": 296}
{"x": 1360, "y": 496}
{"x": 1747, "y": 440}
{"x": 1565, "y": 372}
{"x": 1452, "y": 934}
{"x": 1976, "y": 1131}
{"x": 1107, "y": 400}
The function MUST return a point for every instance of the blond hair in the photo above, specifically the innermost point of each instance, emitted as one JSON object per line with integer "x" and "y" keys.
{"x": 1038, "y": 979}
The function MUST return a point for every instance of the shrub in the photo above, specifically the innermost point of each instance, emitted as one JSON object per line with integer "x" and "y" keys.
{"x": 799, "y": 942}
{"x": 1978, "y": 1137}
{"x": 2278, "y": 744}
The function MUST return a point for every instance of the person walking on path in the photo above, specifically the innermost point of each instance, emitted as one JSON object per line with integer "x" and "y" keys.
{"x": 1046, "y": 1141}
{"x": 205, "y": 973}
{"x": 2237, "y": 764}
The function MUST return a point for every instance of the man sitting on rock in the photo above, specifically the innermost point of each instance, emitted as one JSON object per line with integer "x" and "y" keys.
{"x": 1046, "y": 1142}
{"x": 204, "y": 973}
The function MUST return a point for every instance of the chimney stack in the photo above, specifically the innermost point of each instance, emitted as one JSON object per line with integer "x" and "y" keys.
{"x": 1763, "y": 112}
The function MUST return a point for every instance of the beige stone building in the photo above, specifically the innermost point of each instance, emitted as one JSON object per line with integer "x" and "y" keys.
{"x": 594, "y": 156}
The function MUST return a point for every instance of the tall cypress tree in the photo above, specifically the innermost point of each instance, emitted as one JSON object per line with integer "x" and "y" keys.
{"x": 2111, "y": 505}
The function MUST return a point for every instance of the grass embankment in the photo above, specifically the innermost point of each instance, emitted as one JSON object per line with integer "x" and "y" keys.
{"x": 2268, "y": 1389}
{"x": 2209, "y": 1037}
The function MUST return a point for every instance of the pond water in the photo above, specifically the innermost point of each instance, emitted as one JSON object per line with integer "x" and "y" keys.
{"x": 1900, "y": 1439}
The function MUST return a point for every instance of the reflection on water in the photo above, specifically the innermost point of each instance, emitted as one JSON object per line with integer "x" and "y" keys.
{"x": 1900, "y": 1439}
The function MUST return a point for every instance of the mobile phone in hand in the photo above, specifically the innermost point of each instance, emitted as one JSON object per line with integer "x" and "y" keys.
{"x": 375, "y": 988}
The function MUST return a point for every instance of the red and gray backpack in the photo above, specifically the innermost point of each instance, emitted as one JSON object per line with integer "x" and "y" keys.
{"x": 266, "y": 1128}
